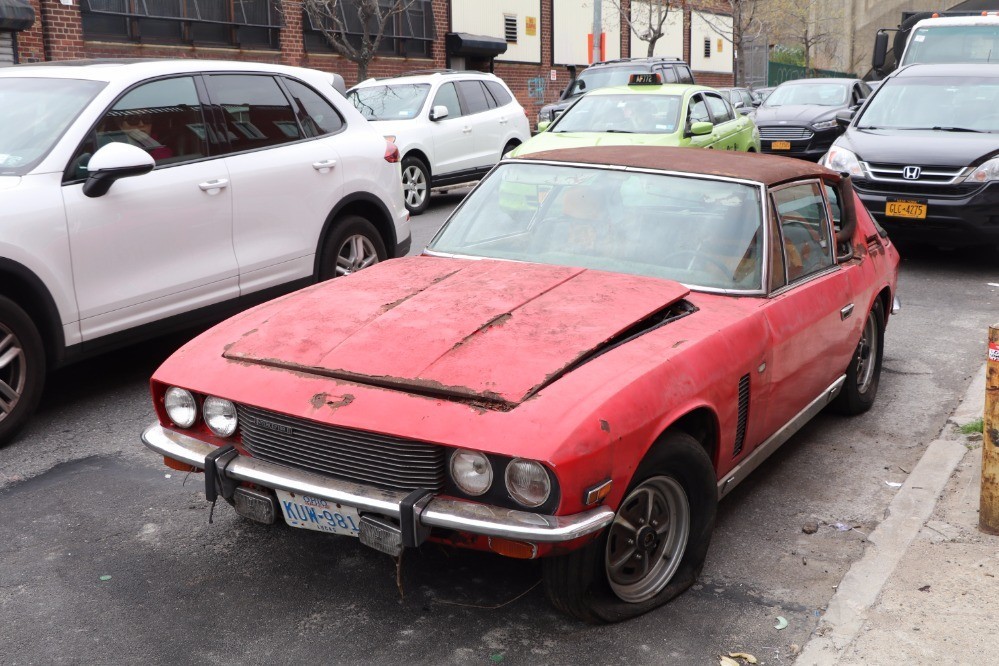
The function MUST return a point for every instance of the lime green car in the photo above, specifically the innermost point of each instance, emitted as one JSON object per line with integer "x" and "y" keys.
{"x": 646, "y": 112}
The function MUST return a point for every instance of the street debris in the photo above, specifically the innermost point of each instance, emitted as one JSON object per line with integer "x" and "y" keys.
{"x": 727, "y": 661}
{"x": 893, "y": 484}
{"x": 781, "y": 623}
{"x": 811, "y": 527}
{"x": 105, "y": 578}
{"x": 743, "y": 656}
{"x": 841, "y": 527}
{"x": 924, "y": 588}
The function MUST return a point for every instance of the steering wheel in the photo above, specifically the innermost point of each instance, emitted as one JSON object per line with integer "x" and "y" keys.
{"x": 722, "y": 269}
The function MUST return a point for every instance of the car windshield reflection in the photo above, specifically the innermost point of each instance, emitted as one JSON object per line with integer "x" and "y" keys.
{"x": 701, "y": 232}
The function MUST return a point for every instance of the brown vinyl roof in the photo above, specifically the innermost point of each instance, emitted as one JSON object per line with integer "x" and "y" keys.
{"x": 766, "y": 169}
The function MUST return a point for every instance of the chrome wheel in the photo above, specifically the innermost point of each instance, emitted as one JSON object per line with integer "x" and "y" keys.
{"x": 356, "y": 252}
{"x": 867, "y": 354}
{"x": 647, "y": 539}
{"x": 13, "y": 371}
{"x": 414, "y": 186}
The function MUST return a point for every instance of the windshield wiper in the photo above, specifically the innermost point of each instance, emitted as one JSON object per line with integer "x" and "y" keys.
{"x": 617, "y": 131}
{"x": 940, "y": 128}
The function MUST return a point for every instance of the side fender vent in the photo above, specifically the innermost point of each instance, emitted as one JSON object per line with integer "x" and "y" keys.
{"x": 740, "y": 428}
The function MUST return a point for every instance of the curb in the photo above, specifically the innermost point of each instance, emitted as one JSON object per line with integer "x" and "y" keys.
{"x": 908, "y": 511}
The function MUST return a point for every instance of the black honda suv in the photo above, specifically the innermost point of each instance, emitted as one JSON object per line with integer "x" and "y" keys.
{"x": 924, "y": 154}
{"x": 614, "y": 73}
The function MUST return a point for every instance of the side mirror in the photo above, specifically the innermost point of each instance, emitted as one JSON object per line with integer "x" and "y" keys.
{"x": 439, "y": 112}
{"x": 701, "y": 128}
{"x": 543, "y": 125}
{"x": 844, "y": 117}
{"x": 114, "y": 161}
{"x": 757, "y": 102}
{"x": 880, "y": 50}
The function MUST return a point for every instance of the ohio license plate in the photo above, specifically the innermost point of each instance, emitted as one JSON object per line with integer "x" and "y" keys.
{"x": 312, "y": 513}
{"x": 905, "y": 208}
{"x": 780, "y": 145}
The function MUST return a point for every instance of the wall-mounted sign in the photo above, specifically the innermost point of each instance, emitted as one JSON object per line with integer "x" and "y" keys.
{"x": 531, "y": 26}
{"x": 552, "y": 75}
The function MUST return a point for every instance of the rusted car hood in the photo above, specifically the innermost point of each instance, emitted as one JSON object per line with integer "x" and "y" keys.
{"x": 485, "y": 330}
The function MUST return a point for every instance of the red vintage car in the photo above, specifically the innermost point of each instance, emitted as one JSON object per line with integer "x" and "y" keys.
{"x": 598, "y": 345}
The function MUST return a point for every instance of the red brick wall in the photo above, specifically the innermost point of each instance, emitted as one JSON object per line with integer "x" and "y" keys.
{"x": 30, "y": 42}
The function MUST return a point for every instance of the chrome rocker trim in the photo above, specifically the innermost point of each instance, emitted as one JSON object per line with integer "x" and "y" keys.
{"x": 441, "y": 512}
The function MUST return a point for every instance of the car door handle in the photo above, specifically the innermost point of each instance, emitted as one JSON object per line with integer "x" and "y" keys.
{"x": 466, "y": 130}
{"x": 502, "y": 120}
{"x": 846, "y": 312}
{"x": 324, "y": 166}
{"x": 216, "y": 184}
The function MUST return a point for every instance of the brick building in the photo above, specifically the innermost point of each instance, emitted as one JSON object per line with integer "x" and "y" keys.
{"x": 541, "y": 36}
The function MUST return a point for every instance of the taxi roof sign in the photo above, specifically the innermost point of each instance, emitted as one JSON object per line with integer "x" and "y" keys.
{"x": 650, "y": 79}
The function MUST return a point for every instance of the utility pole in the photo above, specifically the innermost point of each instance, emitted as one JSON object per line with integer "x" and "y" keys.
{"x": 598, "y": 28}
{"x": 988, "y": 514}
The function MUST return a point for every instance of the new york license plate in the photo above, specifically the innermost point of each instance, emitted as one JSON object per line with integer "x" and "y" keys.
{"x": 905, "y": 208}
{"x": 313, "y": 513}
{"x": 780, "y": 145}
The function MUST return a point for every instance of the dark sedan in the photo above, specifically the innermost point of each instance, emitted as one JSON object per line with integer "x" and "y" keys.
{"x": 924, "y": 154}
{"x": 799, "y": 118}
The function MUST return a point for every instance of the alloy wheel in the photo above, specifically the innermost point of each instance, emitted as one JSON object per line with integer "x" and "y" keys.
{"x": 414, "y": 186}
{"x": 13, "y": 371}
{"x": 355, "y": 253}
{"x": 867, "y": 354}
{"x": 647, "y": 540}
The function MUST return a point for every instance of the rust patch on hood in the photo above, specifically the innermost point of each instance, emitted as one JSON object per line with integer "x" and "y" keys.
{"x": 338, "y": 401}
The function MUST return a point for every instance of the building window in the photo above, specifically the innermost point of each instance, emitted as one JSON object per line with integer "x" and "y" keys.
{"x": 410, "y": 34}
{"x": 510, "y": 28}
{"x": 236, "y": 23}
{"x": 707, "y": 47}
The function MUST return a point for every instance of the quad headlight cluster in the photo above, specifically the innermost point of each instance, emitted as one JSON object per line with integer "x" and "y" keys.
{"x": 182, "y": 409}
{"x": 527, "y": 481}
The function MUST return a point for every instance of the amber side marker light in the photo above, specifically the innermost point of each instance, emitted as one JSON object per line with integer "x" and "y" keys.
{"x": 597, "y": 493}
{"x": 521, "y": 550}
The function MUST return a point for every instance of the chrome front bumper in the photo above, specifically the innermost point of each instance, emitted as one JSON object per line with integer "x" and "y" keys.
{"x": 452, "y": 514}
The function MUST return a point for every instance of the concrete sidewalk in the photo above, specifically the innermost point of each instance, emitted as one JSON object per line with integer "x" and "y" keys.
{"x": 927, "y": 589}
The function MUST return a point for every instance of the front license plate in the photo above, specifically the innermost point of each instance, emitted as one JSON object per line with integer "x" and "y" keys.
{"x": 905, "y": 208}
{"x": 780, "y": 145}
{"x": 312, "y": 513}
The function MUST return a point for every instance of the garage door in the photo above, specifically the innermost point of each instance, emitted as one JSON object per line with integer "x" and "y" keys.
{"x": 6, "y": 49}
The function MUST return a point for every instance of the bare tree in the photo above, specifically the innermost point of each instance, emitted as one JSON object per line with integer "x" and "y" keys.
{"x": 804, "y": 23}
{"x": 355, "y": 28}
{"x": 645, "y": 19}
{"x": 746, "y": 26}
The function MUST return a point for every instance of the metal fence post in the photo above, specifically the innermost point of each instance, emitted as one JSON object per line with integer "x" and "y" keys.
{"x": 988, "y": 515}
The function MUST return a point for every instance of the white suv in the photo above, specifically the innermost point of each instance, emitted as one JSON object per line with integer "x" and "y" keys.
{"x": 450, "y": 127}
{"x": 138, "y": 197}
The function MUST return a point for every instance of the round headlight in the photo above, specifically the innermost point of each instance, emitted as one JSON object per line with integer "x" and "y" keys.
{"x": 471, "y": 471}
{"x": 220, "y": 416}
{"x": 527, "y": 482}
{"x": 181, "y": 407}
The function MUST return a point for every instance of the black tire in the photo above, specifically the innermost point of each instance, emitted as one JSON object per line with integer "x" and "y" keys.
{"x": 415, "y": 185}
{"x": 582, "y": 583}
{"x": 864, "y": 372}
{"x": 353, "y": 244}
{"x": 22, "y": 368}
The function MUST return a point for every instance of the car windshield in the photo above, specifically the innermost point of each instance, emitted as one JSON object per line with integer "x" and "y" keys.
{"x": 950, "y": 103}
{"x": 821, "y": 94}
{"x": 34, "y": 113}
{"x": 396, "y": 102}
{"x": 642, "y": 114}
{"x": 953, "y": 44}
{"x": 603, "y": 77}
{"x": 702, "y": 232}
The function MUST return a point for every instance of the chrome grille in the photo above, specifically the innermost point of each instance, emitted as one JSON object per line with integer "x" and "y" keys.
{"x": 917, "y": 188}
{"x": 928, "y": 175}
{"x": 354, "y": 455}
{"x": 784, "y": 133}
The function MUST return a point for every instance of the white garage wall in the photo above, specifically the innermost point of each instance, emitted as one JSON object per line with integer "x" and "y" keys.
{"x": 670, "y": 44}
{"x": 573, "y": 21}
{"x": 477, "y": 17}
{"x": 720, "y": 59}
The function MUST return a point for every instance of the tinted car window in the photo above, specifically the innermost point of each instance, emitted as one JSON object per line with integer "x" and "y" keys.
{"x": 698, "y": 111}
{"x": 164, "y": 118}
{"x": 316, "y": 115}
{"x": 804, "y": 228}
{"x": 747, "y": 99}
{"x": 720, "y": 109}
{"x": 499, "y": 93}
{"x": 257, "y": 114}
{"x": 669, "y": 76}
{"x": 446, "y": 96}
{"x": 474, "y": 96}
{"x": 396, "y": 102}
{"x": 684, "y": 75}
